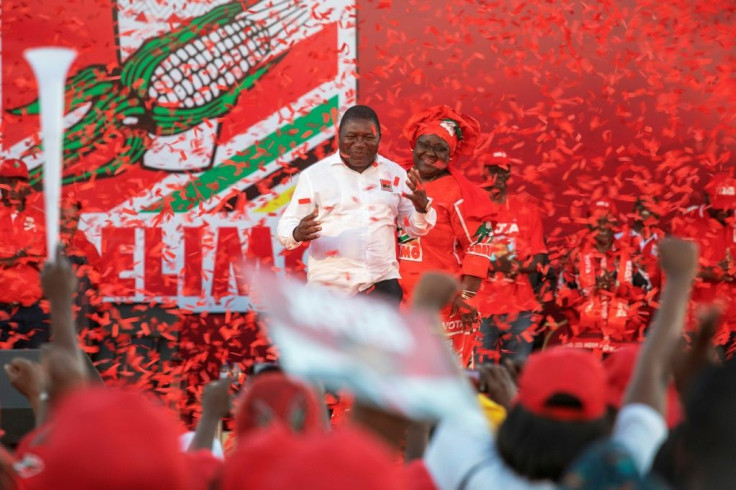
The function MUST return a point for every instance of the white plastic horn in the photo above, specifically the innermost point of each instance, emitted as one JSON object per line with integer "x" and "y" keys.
{"x": 50, "y": 65}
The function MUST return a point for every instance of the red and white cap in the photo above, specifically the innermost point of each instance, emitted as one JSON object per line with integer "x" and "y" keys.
{"x": 14, "y": 169}
{"x": 721, "y": 191}
{"x": 563, "y": 371}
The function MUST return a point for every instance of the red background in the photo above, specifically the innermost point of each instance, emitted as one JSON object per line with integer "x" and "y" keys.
{"x": 619, "y": 97}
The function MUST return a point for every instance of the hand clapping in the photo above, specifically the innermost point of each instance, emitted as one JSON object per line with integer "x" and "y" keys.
{"x": 418, "y": 195}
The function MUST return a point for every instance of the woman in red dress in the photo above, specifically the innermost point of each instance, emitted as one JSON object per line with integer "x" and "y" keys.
{"x": 439, "y": 136}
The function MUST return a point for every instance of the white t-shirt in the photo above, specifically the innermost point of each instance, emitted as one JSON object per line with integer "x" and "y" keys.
{"x": 462, "y": 458}
{"x": 359, "y": 212}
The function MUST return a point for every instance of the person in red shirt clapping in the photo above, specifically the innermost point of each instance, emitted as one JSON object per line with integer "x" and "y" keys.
{"x": 439, "y": 136}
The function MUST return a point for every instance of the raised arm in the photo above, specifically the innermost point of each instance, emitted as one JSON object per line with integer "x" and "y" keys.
{"x": 416, "y": 216}
{"x": 216, "y": 401}
{"x": 679, "y": 261}
{"x": 59, "y": 286}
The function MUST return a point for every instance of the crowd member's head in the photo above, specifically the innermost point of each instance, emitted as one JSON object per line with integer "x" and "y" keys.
{"x": 602, "y": 220}
{"x": 14, "y": 186}
{"x": 609, "y": 465}
{"x": 359, "y": 136}
{"x": 274, "y": 398}
{"x": 437, "y": 135}
{"x": 496, "y": 169}
{"x": 107, "y": 438}
{"x": 559, "y": 410}
{"x": 710, "y": 430}
{"x": 69, "y": 219}
{"x": 720, "y": 195}
{"x": 276, "y": 458}
{"x": 646, "y": 212}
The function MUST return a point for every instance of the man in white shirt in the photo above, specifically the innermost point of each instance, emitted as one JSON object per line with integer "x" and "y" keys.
{"x": 348, "y": 205}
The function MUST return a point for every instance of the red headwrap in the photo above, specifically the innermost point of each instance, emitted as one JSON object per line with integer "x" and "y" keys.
{"x": 461, "y": 133}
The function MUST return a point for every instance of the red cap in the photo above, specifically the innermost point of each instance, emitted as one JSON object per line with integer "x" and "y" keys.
{"x": 721, "y": 191}
{"x": 498, "y": 158}
{"x": 602, "y": 205}
{"x": 112, "y": 439}
{"x": 14, "y": 169}
{"x": 274, "y": 397}
{"x": 489, "y": 155}
{"x": 563, "y": 371}
{"x": 619, "y": 367}
{"x": 276, "y": 458}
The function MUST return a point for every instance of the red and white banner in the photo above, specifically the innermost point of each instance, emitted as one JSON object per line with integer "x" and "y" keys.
{"x": 400, "y": 362}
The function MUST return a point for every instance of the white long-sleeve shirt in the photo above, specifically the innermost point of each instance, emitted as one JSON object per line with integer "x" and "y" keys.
{"x": 359, "y": 213}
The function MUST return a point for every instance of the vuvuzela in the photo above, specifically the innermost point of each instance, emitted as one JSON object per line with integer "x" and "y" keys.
{"x": 50, "y": 65}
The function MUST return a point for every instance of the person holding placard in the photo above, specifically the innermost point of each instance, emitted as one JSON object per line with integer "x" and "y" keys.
{"x": 348, "y": 206}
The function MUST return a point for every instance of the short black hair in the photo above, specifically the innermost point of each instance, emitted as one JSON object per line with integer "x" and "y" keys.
{"x": 362, "y": 112}
{"x": 540, "y": 448}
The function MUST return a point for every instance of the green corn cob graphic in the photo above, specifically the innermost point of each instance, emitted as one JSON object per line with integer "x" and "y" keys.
{"x": 171, "y": 84}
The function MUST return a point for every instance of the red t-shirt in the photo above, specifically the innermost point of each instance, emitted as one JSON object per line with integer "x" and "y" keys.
{"x": 80, "y": 246}
{"x": 448, "y": 247}
{"x": 717, "y": 243}
{"x": 22, "y": 280}
{"x": 517, "y": 229}
{"x": 451, "y": 247}
{"x": 618, "y": 312}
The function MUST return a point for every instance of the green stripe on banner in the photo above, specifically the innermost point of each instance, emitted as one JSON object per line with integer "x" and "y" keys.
{"x": 244, "y": 163}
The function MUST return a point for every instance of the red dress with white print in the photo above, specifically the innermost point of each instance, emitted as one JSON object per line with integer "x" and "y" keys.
{"x": 449, "y": 247}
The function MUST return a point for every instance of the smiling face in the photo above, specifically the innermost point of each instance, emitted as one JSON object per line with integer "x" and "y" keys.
{"x": 358, "y": 143}
{"x": 496, "y": 179}
{"x": 431, "y": 156}
{"x": 602, "y": 227}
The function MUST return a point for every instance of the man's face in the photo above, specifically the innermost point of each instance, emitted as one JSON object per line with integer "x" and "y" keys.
{"x": 358, "y": 143}
{"x": 602, "y": 227}
{"x": 644, "y": 215}
{"x": 69, "y": 219}
{"x": 496, "y": 179}
{"x": 13, "y": 191}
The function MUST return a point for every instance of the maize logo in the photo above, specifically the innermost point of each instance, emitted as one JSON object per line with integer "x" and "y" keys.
{"x": 184, "y": 114}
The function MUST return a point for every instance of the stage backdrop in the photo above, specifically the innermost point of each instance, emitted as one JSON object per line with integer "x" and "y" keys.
{"x": 187, "y": 118}
{"x": 186, "y": 121}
